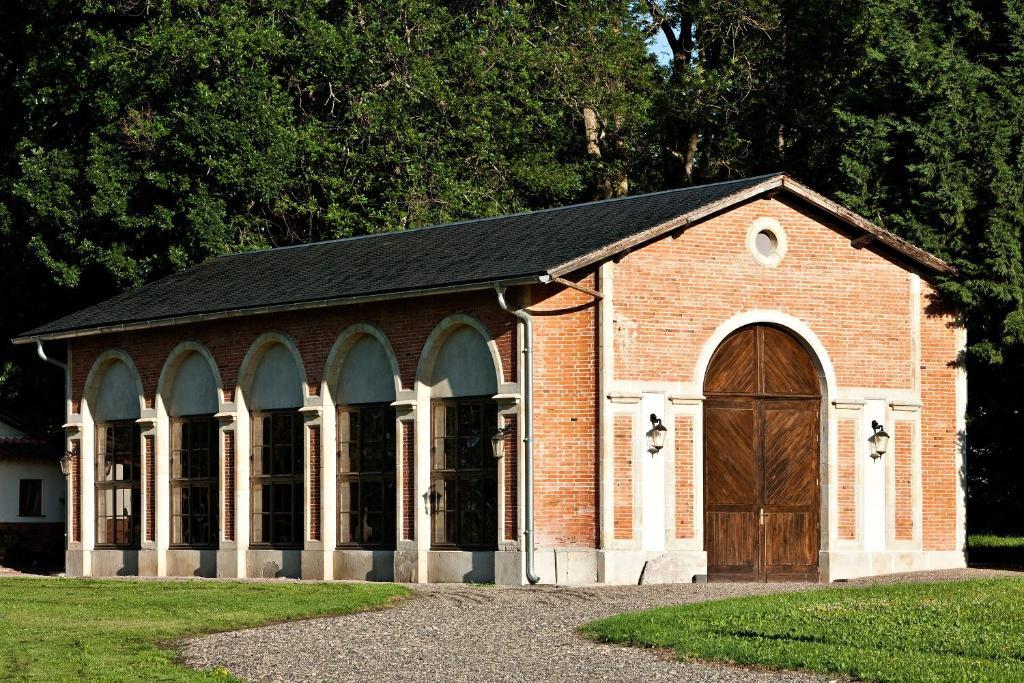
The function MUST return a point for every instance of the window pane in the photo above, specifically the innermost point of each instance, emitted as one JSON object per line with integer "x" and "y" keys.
{"x": 177, "y": 535}
{"x": 347, "y": 524}
{"x": 277, "y": 473}
{"x": 195, "y": 486}
{"x": 30, "y": 498}
{"x": 366, "y": 465}
{"x": 465, "y": 513}
{"x": 282, "y": 463}
{"x": 344, "y": 457}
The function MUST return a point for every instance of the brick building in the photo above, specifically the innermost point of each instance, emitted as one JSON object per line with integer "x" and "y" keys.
{"x": 743, "y": 380}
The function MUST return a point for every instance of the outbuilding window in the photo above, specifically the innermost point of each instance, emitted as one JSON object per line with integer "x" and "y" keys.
{"x": 194, "y": 481}
{"x": 30, "y": 498}
{"x": 277, "y": 479}
{"x": 366, "y": 476}
{"x": 464, "y": 475}
{"x": 118, "y": 501}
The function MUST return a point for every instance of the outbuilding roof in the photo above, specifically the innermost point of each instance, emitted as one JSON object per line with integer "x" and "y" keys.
{"x": 511, "y": 249}
{"x": 21, "y": 442}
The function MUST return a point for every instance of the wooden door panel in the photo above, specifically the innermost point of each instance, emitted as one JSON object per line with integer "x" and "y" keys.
{"x": 785, "y": 366}
{"x": 790, "y": 450}
{"x": 733, "y": 367}
{"x": 731, "y": 485}
{"x": 732, "y": 544}
{"x": 791, "y": 544}
{"x": 730, "y": 461}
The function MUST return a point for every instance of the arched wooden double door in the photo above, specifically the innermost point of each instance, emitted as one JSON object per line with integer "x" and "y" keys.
{"x": 761, "y": 451}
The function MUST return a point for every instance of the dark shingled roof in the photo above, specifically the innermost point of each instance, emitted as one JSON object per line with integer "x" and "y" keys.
{"x": 481, "y": 250}
{"x": 485, "y": 250}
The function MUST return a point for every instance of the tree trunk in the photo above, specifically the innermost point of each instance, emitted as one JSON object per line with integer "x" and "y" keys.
{"x": 691, "y": 153}
{"x": 592, "y": 131}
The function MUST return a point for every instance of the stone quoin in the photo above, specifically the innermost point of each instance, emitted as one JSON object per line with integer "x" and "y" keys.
{"x": 327, "y": 411}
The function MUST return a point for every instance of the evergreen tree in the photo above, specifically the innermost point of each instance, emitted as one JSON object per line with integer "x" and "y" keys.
{"x": 932, "y": 130}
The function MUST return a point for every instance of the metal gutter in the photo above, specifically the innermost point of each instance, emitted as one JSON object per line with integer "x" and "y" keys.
{"x": 526, "y": 389}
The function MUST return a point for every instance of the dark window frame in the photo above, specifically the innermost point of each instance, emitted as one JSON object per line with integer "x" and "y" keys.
{"x": 353, "y": 446}
{"x": 197, "y": 481}
{"x": 463, "y": 480}
{"x": 30, "y": 504}
{"x": 119, "y": 430}
{"x": 269, "y": 476}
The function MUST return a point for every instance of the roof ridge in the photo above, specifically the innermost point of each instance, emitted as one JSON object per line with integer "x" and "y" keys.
{"x": 466, "y": 221}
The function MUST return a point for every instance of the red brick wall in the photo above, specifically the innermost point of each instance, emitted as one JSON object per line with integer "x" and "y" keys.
{"x": 408, "y": 480}
{"x": 847, "y": 476}
{"x": 565, "y": 416}
{"x": 903, "y": 458}
{"x": 684, "y": 477}
{"x": 229, "y": 486}
{"x": 939, "y": 475}
{"x": 670, "y": 297}
{"x": 76, "y": 491}
{"x": 623, "y": 472}
{"x": 511, "y": 481}
{"x": 150, "y": 487}
{"x": 314, "y": 482}
{"x": 407, "y": 324}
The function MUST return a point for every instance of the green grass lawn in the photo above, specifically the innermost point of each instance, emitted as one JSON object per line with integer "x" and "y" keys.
{"x": 986, "y": 541}
{"x": 953, "y": 631}
{"x": 74, "y": 629}
{"x": 990, "y": 550}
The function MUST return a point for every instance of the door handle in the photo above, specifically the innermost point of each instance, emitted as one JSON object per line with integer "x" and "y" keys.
{"x": 762, "y": 516}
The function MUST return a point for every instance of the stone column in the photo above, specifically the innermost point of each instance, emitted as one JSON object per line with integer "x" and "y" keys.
{"x": 510, "y": 561}
{"x": 243, "y": 453}
{"x": 406, "y": 567}
{"x": 328, "y": 484}
{"x": 228, "y": 564}
{"x": 73, "y": 565}
{"x": 316, "y": 562}
{"x": 150, "y": 561}
{"x": 88, "y": 494}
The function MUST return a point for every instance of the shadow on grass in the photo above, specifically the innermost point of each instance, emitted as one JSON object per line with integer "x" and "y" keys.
{"x": 993, "y": 551}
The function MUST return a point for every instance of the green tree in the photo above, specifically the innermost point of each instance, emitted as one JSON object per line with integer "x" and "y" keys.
{"x": 932, "y": 127}
{"x": 146, "y": 136}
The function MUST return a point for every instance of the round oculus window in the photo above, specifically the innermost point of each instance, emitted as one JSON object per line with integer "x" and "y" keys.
{"x": 766, "y": 242}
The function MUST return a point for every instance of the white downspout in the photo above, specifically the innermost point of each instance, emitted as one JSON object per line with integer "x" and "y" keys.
{"x": 527, "y": 392}
{"x": 52, "y": 361}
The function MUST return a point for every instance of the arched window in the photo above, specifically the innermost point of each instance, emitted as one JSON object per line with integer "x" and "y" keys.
{"x": 464, "y": 473}
{"x": 118, "y": 458}
{"x": 276, "y": 477}
{"x": 366, "y": 447}
{"x": 195, "y": 470}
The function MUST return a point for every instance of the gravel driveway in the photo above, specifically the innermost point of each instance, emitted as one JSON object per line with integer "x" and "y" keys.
{"x": 466, "y": 633}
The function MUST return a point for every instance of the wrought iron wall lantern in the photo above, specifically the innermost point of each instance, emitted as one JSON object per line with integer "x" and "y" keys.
{"x": 498, "y": 442}
{"x": 656, "y": 435}
{"x": 65, "y": 462}
{"x": 879, "y": 440}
